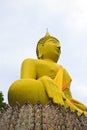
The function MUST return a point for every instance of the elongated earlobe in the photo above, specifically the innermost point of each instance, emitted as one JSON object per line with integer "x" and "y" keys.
{"x": 40, "y": 55}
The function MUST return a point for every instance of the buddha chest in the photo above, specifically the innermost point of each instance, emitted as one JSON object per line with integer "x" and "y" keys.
{"x": 46, "y": 68}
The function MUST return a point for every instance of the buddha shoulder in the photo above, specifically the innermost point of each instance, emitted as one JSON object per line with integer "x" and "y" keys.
{"x": 29, "y": 62}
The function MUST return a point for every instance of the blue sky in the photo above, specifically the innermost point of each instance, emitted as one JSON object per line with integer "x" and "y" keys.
{"x": 24, "y": 22}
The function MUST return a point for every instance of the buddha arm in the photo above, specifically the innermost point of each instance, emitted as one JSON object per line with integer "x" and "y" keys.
{"x": 28, "y": 69}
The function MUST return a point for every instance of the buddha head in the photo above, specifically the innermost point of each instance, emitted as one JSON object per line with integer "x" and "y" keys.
{"x": 48, "y": 47}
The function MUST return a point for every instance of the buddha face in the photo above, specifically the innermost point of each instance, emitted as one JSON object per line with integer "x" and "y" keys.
{"x": 49, "y": 50}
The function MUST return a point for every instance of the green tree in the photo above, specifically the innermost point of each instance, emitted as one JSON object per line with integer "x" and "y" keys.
{"x": 3, "y": 105}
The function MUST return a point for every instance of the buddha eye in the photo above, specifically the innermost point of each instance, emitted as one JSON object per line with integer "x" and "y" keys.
{"x": 59, "y": 47}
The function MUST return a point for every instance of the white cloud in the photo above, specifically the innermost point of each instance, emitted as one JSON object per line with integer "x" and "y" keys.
{"x": 79, "y": 92}
{"x": 77, "y": 15}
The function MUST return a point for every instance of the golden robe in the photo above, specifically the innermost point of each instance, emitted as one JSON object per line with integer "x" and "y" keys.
{"x": 61, "y": 93}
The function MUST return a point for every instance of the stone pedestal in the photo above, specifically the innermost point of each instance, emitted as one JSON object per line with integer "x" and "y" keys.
{"x": 39, "y": 117}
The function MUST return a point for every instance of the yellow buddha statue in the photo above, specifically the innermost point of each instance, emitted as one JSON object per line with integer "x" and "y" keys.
{"x": 43, "y": 79}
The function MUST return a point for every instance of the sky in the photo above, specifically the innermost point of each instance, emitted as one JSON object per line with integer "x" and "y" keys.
{"x": 24, "y": 22}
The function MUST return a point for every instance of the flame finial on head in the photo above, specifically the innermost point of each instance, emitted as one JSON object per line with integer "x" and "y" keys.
{"x": 47, "y": 33}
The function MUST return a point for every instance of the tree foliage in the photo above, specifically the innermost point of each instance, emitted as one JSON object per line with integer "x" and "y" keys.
{"x": 3, "y": 105}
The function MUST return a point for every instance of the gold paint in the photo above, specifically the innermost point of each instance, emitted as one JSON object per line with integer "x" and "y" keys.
{"x": 43, "y": 79}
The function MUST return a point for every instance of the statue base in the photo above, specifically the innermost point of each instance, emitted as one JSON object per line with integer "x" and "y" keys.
{"x": 40, "y": 117}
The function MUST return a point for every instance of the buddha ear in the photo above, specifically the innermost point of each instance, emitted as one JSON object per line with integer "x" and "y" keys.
{"x": 40, "y": 52}
{"x": 40, "y": 56}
